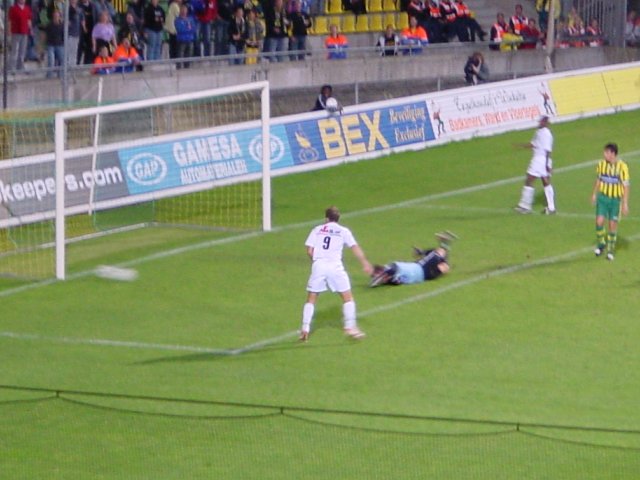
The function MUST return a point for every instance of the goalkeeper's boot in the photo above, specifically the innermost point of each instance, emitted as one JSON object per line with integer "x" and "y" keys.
{"x": 354, "y": 333}
{"x": 446, "y": 238}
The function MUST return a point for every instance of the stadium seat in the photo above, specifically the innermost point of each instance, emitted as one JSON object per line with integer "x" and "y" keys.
{"x": 348, "y": 23}
{"x": 374, "y": 6}
{"x": 362, "y": 23}
{"x": 376, "y": 23}
{"x": 389, "y": 5}
{"x": 390, "y": 19}
{"x": 402, "y": 21}
{"x": 334, "y": 6}
{"x": 320, "y": 25}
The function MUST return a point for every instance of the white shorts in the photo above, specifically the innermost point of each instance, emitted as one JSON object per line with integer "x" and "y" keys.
{"x": 328, "y": 274}
{"x": 538, "y": 167}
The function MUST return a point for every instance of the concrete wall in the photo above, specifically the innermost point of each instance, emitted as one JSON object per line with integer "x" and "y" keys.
{"x": 435, "y": 62}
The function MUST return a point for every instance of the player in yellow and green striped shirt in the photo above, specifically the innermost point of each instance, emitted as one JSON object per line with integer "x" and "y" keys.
{"x": 611, "y": 198}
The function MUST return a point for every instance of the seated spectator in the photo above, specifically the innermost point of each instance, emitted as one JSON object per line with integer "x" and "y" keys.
{"x": 576, "y": 33}
{"x": 435, "y": 23}
{"x": 254, "y": 33}
{"x": 336, "y": 44}
{"x": 573, "y": 18}
{"x": 467, "y": 26}
{"x": 104, "y": 33}
{"x": 594, "y": 34}
{"x": 127, "y": 57}
{"x": 629, "y": 30}
{"x": 562, "y": 35}
{"x": 186, "y": 30}
{"x": 518, "y": 21}
{"x": 497, "y": 32}
{"x": 413, "y": 38}
{"x": 530, "y": 35}
{"x": 449, "y": 18}
{"x": 388, "y": 42}
{"x": 358, "y": 7}
{"x": 54, "y": 32}
{"x": 237, "y": 36}
{"x": 104, "y": 63}
{"x": 510, "y": 41}
{"x": 476, "y": 70}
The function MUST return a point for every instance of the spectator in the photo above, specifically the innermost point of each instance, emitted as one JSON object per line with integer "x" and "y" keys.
{"x": 466, "y": 25}
{"x": 221, "y": 27}
{"x": 435, "y": 23}
{"x": 277, "y": 23}
{"x": 449, "y": 17}
{"x": 518, "y": 21}
{"x": 100, "y": 6}
{"x": 336, "y": 44}
{"x": 103, "y": 63}
{"x": 237, "y": 36}
{"x": 573, "y": 18}
{"x": 594, "y": 34}
{"x": 186, "y": 30}
{"x": 388, "y": 42}
{"x": 300, "y": 22}
{"x": 543, "y": 7}
{"x": 631, "y": 30}
{"x": 416, "y": 8}
{"x": 326, "y": 92}
{"x": 358, "y": 7}
{"x": 562, "y": 35}
{"x": 576, "y": 33}
{"x": 476, "y": 70}
{"x": 103, "y": 33}
{"x": 413, "y": 38}
{"x": 254, "y": 34}
{"x": 20, "y": 16}
{"x": 85, "y": 48}
{"x": 173, "y": 12}
{"x": 497, "y": 32}
{"x": 530, "y": 35}
{"x": 205, "y": 19}
{"x": 153, "y": 22}
{"x": 131, "y": 32}
{"x": 510, "y": 41}
{"x": 136, "y": 8}
{"x": 54, "y": 32}
{"x": 76, "y": 18}
{"x": 127, "y": 57}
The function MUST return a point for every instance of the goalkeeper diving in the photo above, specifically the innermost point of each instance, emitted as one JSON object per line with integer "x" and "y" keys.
{"x": 429, "y": 265}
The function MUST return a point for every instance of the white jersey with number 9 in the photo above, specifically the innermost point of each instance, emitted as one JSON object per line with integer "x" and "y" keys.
{"x": 328, "y": 241}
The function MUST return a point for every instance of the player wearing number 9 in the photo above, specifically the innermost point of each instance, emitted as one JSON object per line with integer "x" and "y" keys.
{"x": 324, "y": 246}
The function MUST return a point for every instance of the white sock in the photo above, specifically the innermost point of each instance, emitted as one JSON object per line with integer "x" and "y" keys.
{"x": 349, "y": 313}
{"x": 307, "y": 316}
{"x": 526, "y": 199}
{"x": 551, "y": 197}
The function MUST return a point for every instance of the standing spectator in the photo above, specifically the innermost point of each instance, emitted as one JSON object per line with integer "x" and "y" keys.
{"x": 153, "y": 26}
{"x": 518, "y": 21}
{"x": 173, "y": 12}
{"x": 127, "y": 57}
{"x": 20, "y": 16}
{"x": 254, "y": 35}
{"x": 413, "y": 38}
{"x": 85, "y": 48}
{"x": 130, "y": 31}
{"x": 104, "y": 34}
{"x": 76, "y": 19}
{"x": 358, "y": 7}
{"x": 530, "y": 35}
{"x": 221, "y": 27}
{"x": 540, "y": 167}
{"x": 610, "y": 197}
{"x": 388, "y": 42}
{"x": 497, "y": 32}
{"x": 54, "y": 32}
{"x": 100, "y": 6}
{"x": 186, "y": 31}
{"x": 205, "y": 19}
{"x": 336, "y": 44}
{"x": 476, "y": 70}
{"x": 276, "y": 25}
{"x": 594, "y": 32}
{"x": 416, "y": 8}
{"x": 324, "y": 247}
{"x": 543, "y": 7}
{"x": 300, "y": 22}
{"x": 237, "y": 36}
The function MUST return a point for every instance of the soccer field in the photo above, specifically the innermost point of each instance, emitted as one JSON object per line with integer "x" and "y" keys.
{"x": 521, "y": 363}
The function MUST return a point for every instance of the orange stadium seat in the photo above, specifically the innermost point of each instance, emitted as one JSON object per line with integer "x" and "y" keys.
{"x": 374, "y": 6}
{"x": 362, "y": 23}
{"x": 348, "y": 23}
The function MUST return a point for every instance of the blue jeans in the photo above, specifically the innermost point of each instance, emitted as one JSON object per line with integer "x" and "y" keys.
{"x": 297, "y": 43}
{"x": 220, "y": 37}
{"x": 274, "y": 44}
{"x": 203, "y": 37}
{"x": 55, "y": 58}
{"x": 154, "y": 44}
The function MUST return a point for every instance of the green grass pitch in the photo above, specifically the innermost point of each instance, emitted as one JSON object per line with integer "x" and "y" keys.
{"x": 522, "y": 363}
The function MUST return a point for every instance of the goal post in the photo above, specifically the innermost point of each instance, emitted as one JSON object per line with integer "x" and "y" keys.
{"x": 169, "y": 123}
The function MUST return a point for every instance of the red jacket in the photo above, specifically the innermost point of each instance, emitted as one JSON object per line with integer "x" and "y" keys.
{"x": 20, "y": 19}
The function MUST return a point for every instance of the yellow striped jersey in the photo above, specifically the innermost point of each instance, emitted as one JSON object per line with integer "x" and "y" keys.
{"x": 614, "y": 177}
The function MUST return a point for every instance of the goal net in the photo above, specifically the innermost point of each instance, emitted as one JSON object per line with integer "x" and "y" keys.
{"x": 192, "y": 162}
